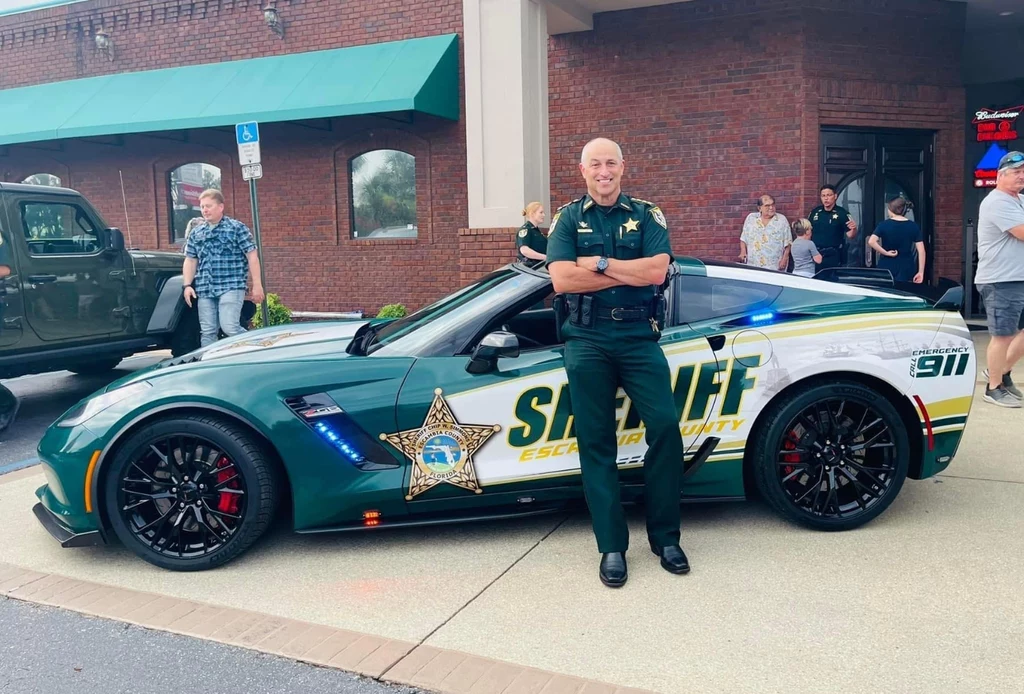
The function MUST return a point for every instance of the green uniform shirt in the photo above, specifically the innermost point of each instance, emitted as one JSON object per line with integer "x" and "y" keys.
{"x": 628, "y": 230}
{"x": 829, "y": 227}
{"x": 531, "y": 236}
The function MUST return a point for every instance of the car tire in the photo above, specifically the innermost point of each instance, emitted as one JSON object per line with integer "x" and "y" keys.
{"x": 141, "y": 488}
{"x": 836, "y": 468}
{"x": 94, "y": 368}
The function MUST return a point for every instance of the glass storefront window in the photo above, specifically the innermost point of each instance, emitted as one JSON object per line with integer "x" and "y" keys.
{"x": 383, "y": 195}
{"x": 43, "y": 179}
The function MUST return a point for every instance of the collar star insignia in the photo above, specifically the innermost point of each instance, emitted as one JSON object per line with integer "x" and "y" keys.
{"x": 631, "y": 225}
{"x": 442, "y": 449}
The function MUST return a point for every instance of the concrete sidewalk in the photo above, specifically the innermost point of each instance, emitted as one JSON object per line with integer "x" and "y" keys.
{"x": 926, "y": 598}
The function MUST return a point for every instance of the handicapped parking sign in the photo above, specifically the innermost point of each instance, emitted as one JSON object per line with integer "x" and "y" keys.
{"x": 248, "y": 137}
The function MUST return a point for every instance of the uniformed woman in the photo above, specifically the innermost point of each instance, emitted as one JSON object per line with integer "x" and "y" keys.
{"x": 531, "y": 244}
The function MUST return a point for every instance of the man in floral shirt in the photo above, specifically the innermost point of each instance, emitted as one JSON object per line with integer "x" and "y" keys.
{"x": 766, "y": 238}
{"x": 219, "y": 257}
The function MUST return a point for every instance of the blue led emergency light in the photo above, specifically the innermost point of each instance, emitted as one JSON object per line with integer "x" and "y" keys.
{"x": 762, "y": 317}
{"x": 341, "y": 444}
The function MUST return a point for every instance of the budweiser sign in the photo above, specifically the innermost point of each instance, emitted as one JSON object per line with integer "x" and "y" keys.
{"x": 996, "y": 125}
{"x": 988, "y": 114}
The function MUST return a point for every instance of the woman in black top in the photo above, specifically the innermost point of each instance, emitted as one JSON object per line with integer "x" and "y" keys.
{"x": 895, "y": 240}
{"x": 531, "y": 243}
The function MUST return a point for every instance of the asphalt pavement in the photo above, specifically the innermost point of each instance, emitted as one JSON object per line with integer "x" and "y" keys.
{"x": 71, "y": 654}
{"x": 45, "y": 397}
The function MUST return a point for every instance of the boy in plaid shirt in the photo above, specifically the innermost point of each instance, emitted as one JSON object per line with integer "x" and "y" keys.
{"x": 219, "y": 257}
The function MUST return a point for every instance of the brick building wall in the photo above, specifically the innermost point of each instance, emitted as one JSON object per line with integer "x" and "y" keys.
{"x": 714, "y": 101}
{"x": 304, "y": 194}
{"x": 889, "y": 73}
{"x": 717, "y": 102}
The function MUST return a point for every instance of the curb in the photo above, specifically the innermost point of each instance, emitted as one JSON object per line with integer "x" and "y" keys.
{"x": 386, "y": 660}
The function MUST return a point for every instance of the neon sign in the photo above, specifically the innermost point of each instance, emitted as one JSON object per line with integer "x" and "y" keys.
{"x": 986, "y": 169}
{"x": 997, "y": 125}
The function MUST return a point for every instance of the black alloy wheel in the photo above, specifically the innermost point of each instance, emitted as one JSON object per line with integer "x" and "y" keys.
{"x": 190, "y": 493}
{"x": 831, "y": 456}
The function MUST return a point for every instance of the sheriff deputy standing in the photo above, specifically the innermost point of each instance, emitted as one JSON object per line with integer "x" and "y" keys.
{"x": 531, "y": 244}
{"x": 831, "y": 226}
{"x": 609, "y": 254}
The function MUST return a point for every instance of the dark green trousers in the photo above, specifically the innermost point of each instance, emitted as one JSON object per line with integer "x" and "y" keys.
{"x": 598, "y": 360}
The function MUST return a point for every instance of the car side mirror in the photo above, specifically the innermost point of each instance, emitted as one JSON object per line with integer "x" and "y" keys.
{"x": 494, "y": 346}
{"x": 113, "y": 240}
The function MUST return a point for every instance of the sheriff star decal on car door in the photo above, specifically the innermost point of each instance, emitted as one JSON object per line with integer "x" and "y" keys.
{"x": 442, "y": 449}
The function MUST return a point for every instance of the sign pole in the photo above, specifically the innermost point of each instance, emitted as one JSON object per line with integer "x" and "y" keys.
{"x": 248, "y": 137}
{"x": 259, "y": 248}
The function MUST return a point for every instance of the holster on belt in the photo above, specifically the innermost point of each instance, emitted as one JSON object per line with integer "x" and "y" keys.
{"x": 581, "y": 309}
{"x": 561, "y": 308}
{"x": 659, "y": 306}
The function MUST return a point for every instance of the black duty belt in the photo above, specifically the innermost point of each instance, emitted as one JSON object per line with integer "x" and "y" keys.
{"x": 626, "y": 313}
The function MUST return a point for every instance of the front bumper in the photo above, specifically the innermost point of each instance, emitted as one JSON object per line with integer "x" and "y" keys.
{"x": 62, "y": 533}
{"x": 66, "y": 497}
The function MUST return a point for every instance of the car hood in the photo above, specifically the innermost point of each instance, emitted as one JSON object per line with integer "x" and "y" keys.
{"x": 294, "y": 340}
{"x": 278, "y": 344}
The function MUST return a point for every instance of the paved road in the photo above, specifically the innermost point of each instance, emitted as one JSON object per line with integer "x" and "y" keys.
{"x": 45, "y": 397}
{"x": 71, "y": 653}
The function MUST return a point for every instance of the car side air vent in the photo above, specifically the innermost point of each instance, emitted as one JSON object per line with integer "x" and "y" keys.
{"x": 337, "y": 429}
{"x": 184, "y": 359}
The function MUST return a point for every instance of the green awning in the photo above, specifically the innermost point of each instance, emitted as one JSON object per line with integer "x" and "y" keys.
{"x": 415, "y": 75}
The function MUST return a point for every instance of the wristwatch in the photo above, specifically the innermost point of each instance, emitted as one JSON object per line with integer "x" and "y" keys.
{"x": 602, "y": 264}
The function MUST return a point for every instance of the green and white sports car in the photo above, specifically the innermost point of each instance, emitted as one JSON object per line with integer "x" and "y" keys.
{"x": 820, "y": 396}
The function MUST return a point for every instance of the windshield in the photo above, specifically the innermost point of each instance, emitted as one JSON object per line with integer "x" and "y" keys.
{"x": 443, "y": 327}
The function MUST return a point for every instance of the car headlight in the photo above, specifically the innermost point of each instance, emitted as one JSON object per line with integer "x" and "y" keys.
{"x": 87, "y": 409}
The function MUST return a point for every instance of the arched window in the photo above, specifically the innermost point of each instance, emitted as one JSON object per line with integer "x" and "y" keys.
{"x": 43, "y": 179}
{"x": 186, "y": 183}
{"x": 383, "y": 195}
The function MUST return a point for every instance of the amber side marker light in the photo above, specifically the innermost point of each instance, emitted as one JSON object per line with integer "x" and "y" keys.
{"x": 88, "y": 481}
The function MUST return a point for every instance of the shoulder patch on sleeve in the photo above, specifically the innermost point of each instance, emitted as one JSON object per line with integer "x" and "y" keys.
{"x": 554, "y": 219}
{"x": 659, "y": 216}
{"x": 523, "y": 233}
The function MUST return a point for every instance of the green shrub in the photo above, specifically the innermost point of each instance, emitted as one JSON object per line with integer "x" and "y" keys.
{"x": 277, "y": 312}
{"x": 392, "y": 311}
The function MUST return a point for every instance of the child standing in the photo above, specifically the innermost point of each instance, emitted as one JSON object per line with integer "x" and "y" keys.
{"x": 805, "y": 253}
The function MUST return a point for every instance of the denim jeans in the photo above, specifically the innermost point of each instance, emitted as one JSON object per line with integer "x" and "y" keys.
{"x": 220, "y": 313}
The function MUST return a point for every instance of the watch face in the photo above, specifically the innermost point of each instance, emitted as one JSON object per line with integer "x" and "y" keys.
{"x": 602, "y": 263}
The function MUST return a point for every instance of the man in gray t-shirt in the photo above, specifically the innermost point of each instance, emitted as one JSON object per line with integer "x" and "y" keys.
{"x": 1000, "y": 277}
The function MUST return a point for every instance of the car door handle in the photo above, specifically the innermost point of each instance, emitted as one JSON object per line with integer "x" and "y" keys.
{"x": 42, "y": 279}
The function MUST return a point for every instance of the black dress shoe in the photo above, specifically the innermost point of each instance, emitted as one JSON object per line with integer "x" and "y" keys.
{"x": 613, "y": 569}
{"x": 673, "y": 559}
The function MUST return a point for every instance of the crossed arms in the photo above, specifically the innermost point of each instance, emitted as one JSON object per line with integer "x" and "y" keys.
{"x": 582, "y": 276}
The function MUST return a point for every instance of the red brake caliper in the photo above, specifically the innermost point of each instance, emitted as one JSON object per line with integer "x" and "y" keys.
{"x": 790, "y": 445}
{"x": 227, "y": 503}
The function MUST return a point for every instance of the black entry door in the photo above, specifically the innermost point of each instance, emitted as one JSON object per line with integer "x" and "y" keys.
{"x": 869, "y": 167}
